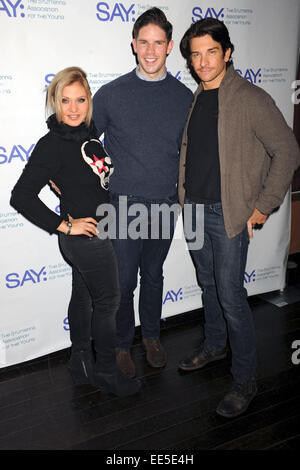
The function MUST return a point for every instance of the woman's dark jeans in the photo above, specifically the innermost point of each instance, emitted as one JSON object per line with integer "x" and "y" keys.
{"x": 95, "y": 297}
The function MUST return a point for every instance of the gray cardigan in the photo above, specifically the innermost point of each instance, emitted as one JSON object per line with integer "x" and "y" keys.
{"x": 258, "y": 151}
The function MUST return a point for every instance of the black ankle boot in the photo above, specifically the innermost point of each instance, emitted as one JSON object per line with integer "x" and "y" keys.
{"x": 117, "y": 383}
{"x": 81, "y": 367}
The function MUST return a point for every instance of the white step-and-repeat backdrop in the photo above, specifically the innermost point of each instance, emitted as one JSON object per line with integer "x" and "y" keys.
{"x": 40, "y": 37}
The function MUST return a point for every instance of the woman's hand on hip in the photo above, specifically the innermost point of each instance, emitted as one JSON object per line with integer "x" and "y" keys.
{"x": 84, "y": 226}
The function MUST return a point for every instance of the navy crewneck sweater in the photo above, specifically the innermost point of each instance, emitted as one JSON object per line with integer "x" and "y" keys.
{"x": 143, "y": 123}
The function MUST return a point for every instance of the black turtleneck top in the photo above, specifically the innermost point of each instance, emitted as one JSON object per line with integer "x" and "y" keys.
{"x": 75, "y": 160}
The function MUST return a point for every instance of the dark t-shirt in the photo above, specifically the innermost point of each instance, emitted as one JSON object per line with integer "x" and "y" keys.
{"x": 202, "y": 179}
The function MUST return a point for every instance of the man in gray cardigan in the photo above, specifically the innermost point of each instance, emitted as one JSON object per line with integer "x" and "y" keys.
{"x": 237, "y": 161}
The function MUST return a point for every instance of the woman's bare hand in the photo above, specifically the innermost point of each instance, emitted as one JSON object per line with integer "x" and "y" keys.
{"x": 84, "y": 226}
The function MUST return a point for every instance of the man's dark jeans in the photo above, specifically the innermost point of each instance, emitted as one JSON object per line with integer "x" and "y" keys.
{"x": 148, "y": 256}
{"x": 95, "y": 297}
{"x": 220, "y": 267}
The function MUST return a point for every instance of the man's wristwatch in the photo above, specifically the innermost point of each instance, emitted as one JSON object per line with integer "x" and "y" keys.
{"x": 69, "y": 228}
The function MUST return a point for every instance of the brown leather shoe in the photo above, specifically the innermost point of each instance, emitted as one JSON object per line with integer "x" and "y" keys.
{"x": 237, "y": 400}
{"x": 200, "y": 358}
{"x": 156, "y": 355}
{"x": 125, "y": 363}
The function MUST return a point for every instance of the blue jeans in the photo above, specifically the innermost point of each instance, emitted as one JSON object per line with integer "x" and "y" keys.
{"x": 95, "y": 297}
{"x": 220, "y": 267}
{"x": 146, "y": 255}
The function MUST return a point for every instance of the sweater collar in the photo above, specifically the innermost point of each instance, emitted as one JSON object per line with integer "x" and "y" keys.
{"x": 146, "y": 79}
{"x": 76, "y": 133}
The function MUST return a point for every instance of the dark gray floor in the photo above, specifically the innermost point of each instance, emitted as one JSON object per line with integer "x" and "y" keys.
{"x": 40, "y": 408}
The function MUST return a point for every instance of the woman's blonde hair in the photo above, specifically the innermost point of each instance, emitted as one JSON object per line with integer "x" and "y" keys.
{"x": 62, "y": 79}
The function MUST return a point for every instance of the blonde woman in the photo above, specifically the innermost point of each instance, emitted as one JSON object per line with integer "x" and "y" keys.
{"x": 71, "y": 155}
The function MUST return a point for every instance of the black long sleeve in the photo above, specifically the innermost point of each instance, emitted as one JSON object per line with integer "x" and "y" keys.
{"x": 76, "y": 161}
{"x": 42, "y": 166}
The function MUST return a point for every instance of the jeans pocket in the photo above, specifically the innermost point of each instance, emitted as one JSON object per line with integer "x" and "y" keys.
{"x": 217, "y": 208}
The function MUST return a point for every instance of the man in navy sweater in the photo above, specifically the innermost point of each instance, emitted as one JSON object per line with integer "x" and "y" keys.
{"x": 142, "y": 115}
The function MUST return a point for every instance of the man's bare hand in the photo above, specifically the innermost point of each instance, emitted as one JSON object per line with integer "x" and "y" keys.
{"x": 53, "y": 186}
{"x": 257, "y": 218}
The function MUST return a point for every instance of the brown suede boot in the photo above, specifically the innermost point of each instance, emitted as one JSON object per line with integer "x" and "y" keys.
{"x": 125, "y": 363}
{"x": 156, "y": 355}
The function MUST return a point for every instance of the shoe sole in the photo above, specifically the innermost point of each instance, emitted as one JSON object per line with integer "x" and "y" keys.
{"x": 155, "y": 366}
{"x": 131, "y": 376}
{"x": 189, "y": 369}
{"x": 128, "y": 374}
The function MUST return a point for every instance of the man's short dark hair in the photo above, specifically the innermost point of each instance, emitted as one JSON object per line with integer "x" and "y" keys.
{"x": 211, "y": 26}
{"x": 153, "y": 16}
